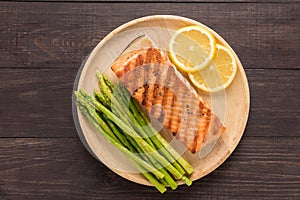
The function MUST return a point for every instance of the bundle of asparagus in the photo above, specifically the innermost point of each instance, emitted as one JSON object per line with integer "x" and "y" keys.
{"x": 121, "y": 121}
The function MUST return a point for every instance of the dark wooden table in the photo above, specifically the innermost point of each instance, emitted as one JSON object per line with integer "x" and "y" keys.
{"x": 42, "y": 45}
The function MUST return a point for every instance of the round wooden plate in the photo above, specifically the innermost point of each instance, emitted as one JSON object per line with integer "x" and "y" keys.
{"x": 231, "y": 105}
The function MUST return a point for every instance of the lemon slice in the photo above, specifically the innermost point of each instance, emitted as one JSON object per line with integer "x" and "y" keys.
{"x": 192, "y": 48}
{"x": 219, "y": 74}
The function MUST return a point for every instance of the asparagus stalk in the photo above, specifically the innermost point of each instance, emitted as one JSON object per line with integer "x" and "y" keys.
{"x": 102, "y": 123}
{"x": 107, "y": 90}
{"x": 142, "y": 167}
{"x": 102, "y": 99}
{"x": 87, "y": 111}
{"x": 178, "y": 162}
{"x": 139, "y": 119}
{"x": 122, "y": 117}
{"x": 168, "y": 179}
{"x": 133, "y": 147}
{"x": 160, "y": 187}
{"x": 106, "y": 80}
{"x": 119, "y": 135}
{"x": 156, "y": 183}
{"x": 116, "y": 110}
{"x": 186, "y": 180}
{"x": 157, "y": 143}
{"x": 140, "y": 141}
{"x": 104, "y": 88}
{"x": 137, "y": 125}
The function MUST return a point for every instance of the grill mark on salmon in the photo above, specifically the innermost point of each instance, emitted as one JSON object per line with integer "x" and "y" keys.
{"x": 139, "y": 94}
{"x": 176, "y": 117}
{"x": 145, "y": 94}
{"x": 160, "y": 99}
{"x": 149, "y": 56}
{"x": 140, "y": 81}
{"x": 159, "y": 92}
{"x": 150, "y": 91}
{"x": 176, "y": 114}
{"x": 168, "y": 101}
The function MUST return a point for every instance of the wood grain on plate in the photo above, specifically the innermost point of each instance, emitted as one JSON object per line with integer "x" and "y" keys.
{"x": 235, "y": 99}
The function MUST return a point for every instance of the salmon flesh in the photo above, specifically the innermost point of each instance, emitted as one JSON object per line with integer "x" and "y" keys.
{"x": 156, "y": 84}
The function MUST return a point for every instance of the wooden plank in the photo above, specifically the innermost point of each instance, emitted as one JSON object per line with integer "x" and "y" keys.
{"x": 274, "y": 104}
{"x": 62, "y": 169}
{"x": 167, "y": 1}
{"x": 60, "y": 35}
{"x": 37, "y": 103}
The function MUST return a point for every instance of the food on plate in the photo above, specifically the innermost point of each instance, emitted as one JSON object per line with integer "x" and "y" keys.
{"x": 154, "y": 82}
{"x": 211, "y": 67}
{"x": 122, "y": 125}
{"x": 192, "y": 48}
{"x": 149, "y": 79}
{"x": 219, "y": 74}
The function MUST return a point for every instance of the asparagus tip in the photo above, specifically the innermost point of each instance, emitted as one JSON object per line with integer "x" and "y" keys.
{"x": 187, "y": 181}
{"x": 76, "y": 93}
{"x": 98, "y": 73}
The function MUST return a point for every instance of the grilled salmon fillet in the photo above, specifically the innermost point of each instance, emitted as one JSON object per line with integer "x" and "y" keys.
{"x": 156, "y": 84}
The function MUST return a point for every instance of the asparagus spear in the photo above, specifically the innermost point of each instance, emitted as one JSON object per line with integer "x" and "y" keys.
{"x": 88, "y": 112}
{"x": 131, "y": 146}
{"x": 140, "y": 141}
{"x": 102, "y": 99}
{"x": 159, "y": 139}
{"x": 107, "y": 90}
{"x": 119, "y": 135}
{"x": 160, "y": 187}
{"x": 107, "y": 81}
{"x": 140, "y": 119}
{"x": 142, "y": 167}
{"x": 168, "y": 179}
{"x": 102, "y": 123}
{"x": 157, "y": 143}
{"x": 119, "y": 114}
{"x": 107, "y": 93}
{"x": 125, "y": 142}
{"x": 140, "y": 130}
